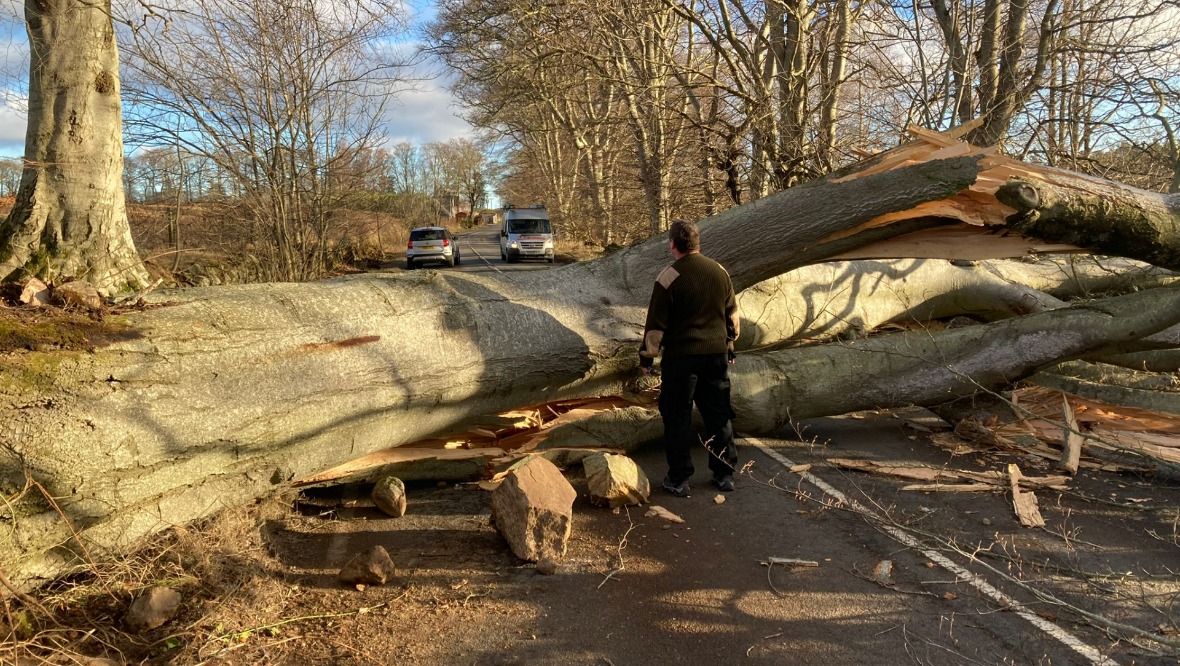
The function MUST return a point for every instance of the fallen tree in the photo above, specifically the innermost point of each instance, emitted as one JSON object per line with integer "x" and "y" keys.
{"x": 214, "y": 396}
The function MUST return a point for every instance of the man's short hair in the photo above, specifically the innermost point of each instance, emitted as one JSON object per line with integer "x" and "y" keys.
{"x": 685, "y": 236}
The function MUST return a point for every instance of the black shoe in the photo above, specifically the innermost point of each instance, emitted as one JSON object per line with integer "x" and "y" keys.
{"x": 677, "y": 489}
{"x": 723, "y": 483}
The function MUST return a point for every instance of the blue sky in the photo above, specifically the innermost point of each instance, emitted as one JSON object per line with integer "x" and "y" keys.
{"x": 419, "y": 116}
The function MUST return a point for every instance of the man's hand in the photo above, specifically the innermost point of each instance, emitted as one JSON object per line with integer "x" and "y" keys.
{"x": 731, "y": 356}
{"x": 646, "y": 363}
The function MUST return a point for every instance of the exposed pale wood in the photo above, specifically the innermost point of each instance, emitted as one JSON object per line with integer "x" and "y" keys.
{"x": 1163, "y": 447}
{"x": 1153, "y": 434}
{"x": 953, "y": 487}
{"x": 1024, "y": 501}
{"x": 931, "y": 136}
{"x": 960, "y": 131}
{"x": 994, "y": 479}
{"x": 1071, "y": 453}
{"x": 957, "y": 242}
{"x": 364, "y": 467}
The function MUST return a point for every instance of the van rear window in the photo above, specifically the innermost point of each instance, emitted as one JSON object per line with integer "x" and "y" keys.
{"x": 426, "y": 234}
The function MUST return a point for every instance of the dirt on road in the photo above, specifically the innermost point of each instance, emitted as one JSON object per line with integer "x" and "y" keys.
{"x": 1099, "y": 584}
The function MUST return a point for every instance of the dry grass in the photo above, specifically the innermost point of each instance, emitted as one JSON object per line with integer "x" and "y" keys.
{"x": 219, "y": 245}
{"x": 568, "y": 250}
{"x": 232, "y": 590}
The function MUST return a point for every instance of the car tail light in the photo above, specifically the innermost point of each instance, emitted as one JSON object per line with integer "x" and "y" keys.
{"x": 446, "y": 242}
{"x": 410, "y": 244}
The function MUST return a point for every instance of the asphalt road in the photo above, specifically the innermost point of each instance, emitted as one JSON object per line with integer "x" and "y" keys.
{"x": 896, "y": 576}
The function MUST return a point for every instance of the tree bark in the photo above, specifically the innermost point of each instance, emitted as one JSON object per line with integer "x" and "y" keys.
{"x": 850, "y": 298}
{"x": 1107, "y": 217}
{"x": 775, "y": 388}
{"x": 70, "y": 219}
{"x": 219, "y": 395}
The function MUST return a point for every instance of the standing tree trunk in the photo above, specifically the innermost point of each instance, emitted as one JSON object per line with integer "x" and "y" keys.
{"x": 70, "y": 217}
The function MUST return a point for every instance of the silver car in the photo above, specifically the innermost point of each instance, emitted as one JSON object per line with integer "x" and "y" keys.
{"x": 431, "y": 244}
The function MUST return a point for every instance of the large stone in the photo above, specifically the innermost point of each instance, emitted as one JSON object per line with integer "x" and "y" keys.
{"x": 533, "y": 508}
{"x": 390, "y": 496}
{"x": 615, "y": 480}
{"x": 77, "y": 294}
{"x": 34, "y": 292}
{"x": 152, "y": 609}
{"x": 372, "y": 567}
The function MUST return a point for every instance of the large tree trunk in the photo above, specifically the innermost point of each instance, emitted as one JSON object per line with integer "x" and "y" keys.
{"x": 774, "y": 388}
{"x": 848, "y": 299}
{"x": 1125, "y": 221}
{"x": 219, "y": 395}
{"x": 70, "y": 218}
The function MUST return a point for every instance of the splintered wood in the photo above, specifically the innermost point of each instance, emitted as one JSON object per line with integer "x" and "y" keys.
{"x": 1024, "y": 501}
{"x": 942, "y": 479}
{"x": 1058, "y": 429}
{"x": 976, "y": 207}
{"x": 495, "y": 438}
{"x": 1071, "y": 453}
{"x": 945, "y": 479}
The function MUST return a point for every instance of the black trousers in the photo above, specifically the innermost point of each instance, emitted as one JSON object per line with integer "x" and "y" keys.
{"x": 702, "y": 380}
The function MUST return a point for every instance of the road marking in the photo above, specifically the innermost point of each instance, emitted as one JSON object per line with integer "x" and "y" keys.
{"x": 1091, "y": 654}
{"x": 482, "y": 258}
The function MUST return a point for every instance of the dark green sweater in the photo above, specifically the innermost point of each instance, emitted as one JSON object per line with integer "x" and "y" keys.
{"x": 693, "y": 307}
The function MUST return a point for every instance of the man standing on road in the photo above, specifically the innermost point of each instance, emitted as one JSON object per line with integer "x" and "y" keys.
{"x": 693, "y": 317}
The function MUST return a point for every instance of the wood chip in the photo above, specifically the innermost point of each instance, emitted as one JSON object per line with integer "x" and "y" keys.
{"x": 656, "y": 511}
{"x": 1025, "y": 502}
{"x": 952, "y": 487}
{"x": 945, "y": 476}
{"x": 1071, "y": 453}
{"x": 799, "y": 469}
{"x": 790, "y": 562}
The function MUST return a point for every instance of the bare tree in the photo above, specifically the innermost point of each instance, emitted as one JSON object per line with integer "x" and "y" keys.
{"x": 279, "y": 95}
{"x": 10, "y": 173}
{"x": 577, "y": 86}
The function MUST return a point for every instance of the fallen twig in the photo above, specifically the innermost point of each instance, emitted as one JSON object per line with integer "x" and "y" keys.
{"x": 619, "y": 551}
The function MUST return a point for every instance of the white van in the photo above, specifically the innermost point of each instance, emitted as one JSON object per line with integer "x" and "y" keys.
{"x": 526, "y": 234}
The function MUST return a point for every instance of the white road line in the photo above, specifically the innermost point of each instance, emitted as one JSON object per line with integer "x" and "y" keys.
{"x": 1091, "y": 654}
{"x": 481, "y": 257}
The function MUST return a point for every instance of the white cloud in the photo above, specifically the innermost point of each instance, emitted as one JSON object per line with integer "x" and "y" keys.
{"x": 12, "y": 123}
{"x": 423, "y": 116}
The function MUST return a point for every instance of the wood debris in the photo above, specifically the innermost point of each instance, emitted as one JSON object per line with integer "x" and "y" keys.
{"x": 789, "y": 562}
{"x": 946, "y": 479}
{"x": 657, "y": 511}
{"x": 1024, "y": 501}
{"x": 1071, "y": 452}
{"x": 366, "y": 467}
{"x": 976, "y": 207}
{"x": 498, "y": 439}
{"x": 883, "y": 573}
{"x": 1105, "y": 426}
{"x": 951, "y": 487}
